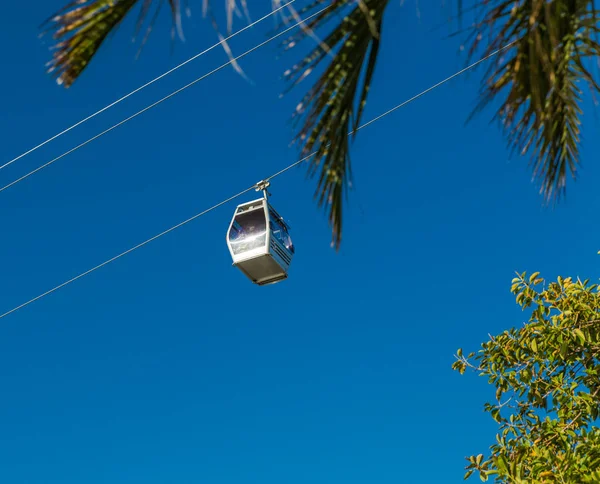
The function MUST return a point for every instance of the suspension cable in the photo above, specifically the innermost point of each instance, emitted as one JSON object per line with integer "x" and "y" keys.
{"x": 233, "y": 197}
{"x": 135, "y": 91}
{"x": 160, "y": 101}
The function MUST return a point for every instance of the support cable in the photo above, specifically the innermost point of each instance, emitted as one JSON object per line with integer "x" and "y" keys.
{"x": 253, "y": 187}
{"x": 135, "y": 91}
{"x": 160, "y": 101}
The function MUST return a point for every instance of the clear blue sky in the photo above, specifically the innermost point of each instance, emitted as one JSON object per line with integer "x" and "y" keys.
{"x": 168, "y": 365}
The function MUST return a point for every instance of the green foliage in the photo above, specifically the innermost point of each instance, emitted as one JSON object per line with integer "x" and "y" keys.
{"x": 537, "y": 79}
{"x": 547, "y": 380}
{"x": 334, "y": 105}
{"x": 536, "y": 82}
{"x": 81, "y": 27}
{"x": 331, "y": 108}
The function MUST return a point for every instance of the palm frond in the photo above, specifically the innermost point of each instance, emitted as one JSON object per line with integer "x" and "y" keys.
{"x": 81, "y": 27}
{"x": 334, "y": 104}
{"x": 537, "y": 80}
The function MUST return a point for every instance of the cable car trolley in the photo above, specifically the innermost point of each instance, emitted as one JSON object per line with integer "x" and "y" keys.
{"x": 259, "y": 241}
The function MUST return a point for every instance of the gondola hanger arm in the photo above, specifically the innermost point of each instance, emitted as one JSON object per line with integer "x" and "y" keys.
{"x": 262, "y": 186}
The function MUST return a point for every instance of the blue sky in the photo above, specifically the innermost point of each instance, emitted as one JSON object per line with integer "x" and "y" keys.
{"x": 168, "y": 365}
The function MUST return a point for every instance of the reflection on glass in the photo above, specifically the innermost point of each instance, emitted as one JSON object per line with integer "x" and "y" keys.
{"x": 248, "y": 231}
{"x": 279, "y": 231}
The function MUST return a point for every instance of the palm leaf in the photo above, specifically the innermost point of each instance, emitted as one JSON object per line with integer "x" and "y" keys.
{"x": 334, "y": 104}
{"x": 81, "y": 27}
{"x": 537, "y": 79}
{"x": 331, "y": 108}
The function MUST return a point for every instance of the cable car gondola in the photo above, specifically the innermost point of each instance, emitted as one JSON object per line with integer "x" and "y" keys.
{"x": 259, "y": 241}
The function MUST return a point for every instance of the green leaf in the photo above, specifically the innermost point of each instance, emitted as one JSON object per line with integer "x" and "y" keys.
{"x": 81, "y": 27}
{"x": 501, "y": 463}
{"x": 563, "y": 349}
{"x": 580, "y": 336}
{"x": 534, "y": 346}
{"x": 334, "y": 105}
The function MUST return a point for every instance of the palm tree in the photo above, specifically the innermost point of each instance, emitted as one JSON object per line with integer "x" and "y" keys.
{"x": 553, "y": 44}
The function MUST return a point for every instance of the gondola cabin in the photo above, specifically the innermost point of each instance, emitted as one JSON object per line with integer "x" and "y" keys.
{"x": 260, "y": 243}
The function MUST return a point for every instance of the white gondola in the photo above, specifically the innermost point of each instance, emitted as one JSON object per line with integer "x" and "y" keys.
{"x": 259, "y": 241}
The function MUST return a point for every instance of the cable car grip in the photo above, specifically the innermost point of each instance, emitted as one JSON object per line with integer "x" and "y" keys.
{"x": 262, "y": 186}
